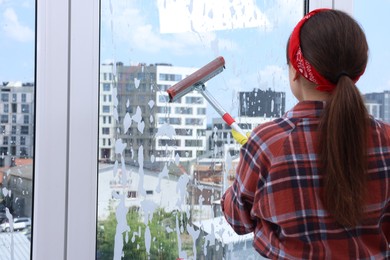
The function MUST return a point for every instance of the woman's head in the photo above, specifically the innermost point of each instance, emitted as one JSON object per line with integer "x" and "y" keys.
{"x": 329, "y": 48}
{"x": 327, "y": 45}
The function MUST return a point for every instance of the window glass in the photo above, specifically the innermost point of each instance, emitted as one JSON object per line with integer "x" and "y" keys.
{"x": 169, "y": 163}
{"x": 17, "y": 87}
{"x": 375, "y": 83}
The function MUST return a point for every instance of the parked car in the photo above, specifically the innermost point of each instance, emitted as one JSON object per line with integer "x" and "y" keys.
{"x": 19, "y": 224}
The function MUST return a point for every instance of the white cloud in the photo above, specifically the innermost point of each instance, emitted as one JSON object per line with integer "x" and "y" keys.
{"x": 285, "y": 12}
{"x": 14, "y": 29}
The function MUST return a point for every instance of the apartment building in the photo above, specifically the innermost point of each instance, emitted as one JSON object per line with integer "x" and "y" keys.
{"x": 378, "y": 105}
{"x": 16, "y": 122}
{"x": 255, "y": 107}
{"x": 135, "y": 111}
{"x": 262, "y": 103}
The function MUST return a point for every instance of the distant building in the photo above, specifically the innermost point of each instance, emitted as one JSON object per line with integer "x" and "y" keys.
{"x": 256, "y": 107}
{"x": 134, "y": 105}
{"x": 378, "y": 105}
{"x": 259, "y": 103}
{"x": 16, "y": 122}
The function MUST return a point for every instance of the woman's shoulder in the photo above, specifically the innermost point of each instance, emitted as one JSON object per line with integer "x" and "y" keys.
{"x": 277, "y": 125}
{"x": 381, "y": 128}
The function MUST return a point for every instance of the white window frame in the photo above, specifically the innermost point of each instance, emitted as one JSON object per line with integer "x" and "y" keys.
{"x": 65, "y": 182}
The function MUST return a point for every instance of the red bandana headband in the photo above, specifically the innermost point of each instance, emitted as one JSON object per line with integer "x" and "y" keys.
{"x": 299, "y": 62}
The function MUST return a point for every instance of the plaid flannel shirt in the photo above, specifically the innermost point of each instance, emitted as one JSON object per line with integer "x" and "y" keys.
{"x": 277, "y": 193}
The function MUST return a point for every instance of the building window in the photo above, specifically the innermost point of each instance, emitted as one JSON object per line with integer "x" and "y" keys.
{"x": 168, "y": 142}
{"x": 132, "y": 194}
{"x": 23, "y": 152}
{"x": 5, "y": 140}
{"x": 14, "y": 97}
{"x": 164, "y": 110}
{"x": 4, "y": 119}
{"x": 24, "y": 97}
{"x": 25, "y": 108}
{"x": 6, "y": 108}
{"x": 194, "y": 100}
{"x": 105, "y": 130}
{"x": 3, "y": 150}
{"x": 170, "y": 77}
{"x": 22, "y": 140}
{"x": 24, "y": 130}
{"x": 4, "y": 97}
{"x": 106, "y": 87}
{"x": 26, "y": 119}
{"x": 201, "y": 111}
{"x": 183, "y": 132}
{"x": 193, "y": 143}
{"x": 183, "y": 110}
{"x": 194, "y": 121}
{"x": 106, "y": 109}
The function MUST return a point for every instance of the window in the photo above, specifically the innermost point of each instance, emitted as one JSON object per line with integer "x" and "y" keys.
{"x": 156, "y": 161}
{"x": 24, "y": 130}
{"x": 193, "y": 143}
{"x": 22, "y": 140}
{"x": 4, "y": 97}
{"x": 106, "y": 87}
{"x": 106, "y": 109}
{"x": 24, "y": 98}
{"x": 26, "y": 119}
{"x": 194, "y": 100}
{"x": 105, "y": 130}
{"x": 5, "y": 140}
{"x": 201, "y": 111}
{"x": 183, "y": 110}
{"x": 194, "y": 121}
{"x": 5, "y": 108}
{"x": 25, "y": 108}
{"x": 4, "y": 119}
{"x": 170, "y": 77}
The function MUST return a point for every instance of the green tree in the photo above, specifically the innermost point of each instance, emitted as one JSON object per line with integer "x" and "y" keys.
{"x": 163, "y": 244}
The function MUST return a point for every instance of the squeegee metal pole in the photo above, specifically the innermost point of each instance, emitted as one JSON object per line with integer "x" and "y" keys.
{"x": 214, "y": 103}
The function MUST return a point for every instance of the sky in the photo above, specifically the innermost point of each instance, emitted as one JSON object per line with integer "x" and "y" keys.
{"x": 251, "y": 35}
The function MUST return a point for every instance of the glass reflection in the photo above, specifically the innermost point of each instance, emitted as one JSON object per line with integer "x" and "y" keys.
{"x": 163, "y": 166}
{"x": 17, "y": 87}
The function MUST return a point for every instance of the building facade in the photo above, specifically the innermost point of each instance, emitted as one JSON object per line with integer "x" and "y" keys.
{"x": 378, "y": 105}
{"x": 136, "y": 113}
{"x": 16, "y": 122}
{"x": 260, "y": 103}
{"x": 255, "y": 107}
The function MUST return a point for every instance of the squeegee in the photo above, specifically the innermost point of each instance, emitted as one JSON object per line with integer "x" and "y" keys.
{"x": 196, "y": 81}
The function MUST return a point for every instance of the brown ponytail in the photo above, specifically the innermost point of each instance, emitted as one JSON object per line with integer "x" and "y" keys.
{"x": 343, "y": 152}
{"x": 336, "y": 47}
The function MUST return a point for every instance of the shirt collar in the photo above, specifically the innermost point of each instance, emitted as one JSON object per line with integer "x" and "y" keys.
{"x": 306, "y": 109}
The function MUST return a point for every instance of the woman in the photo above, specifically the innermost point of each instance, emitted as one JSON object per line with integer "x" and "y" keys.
{"x": 315, "y": 184}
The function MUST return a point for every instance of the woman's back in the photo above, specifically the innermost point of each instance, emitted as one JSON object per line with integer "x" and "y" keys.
{"x": 290, "y": 213}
